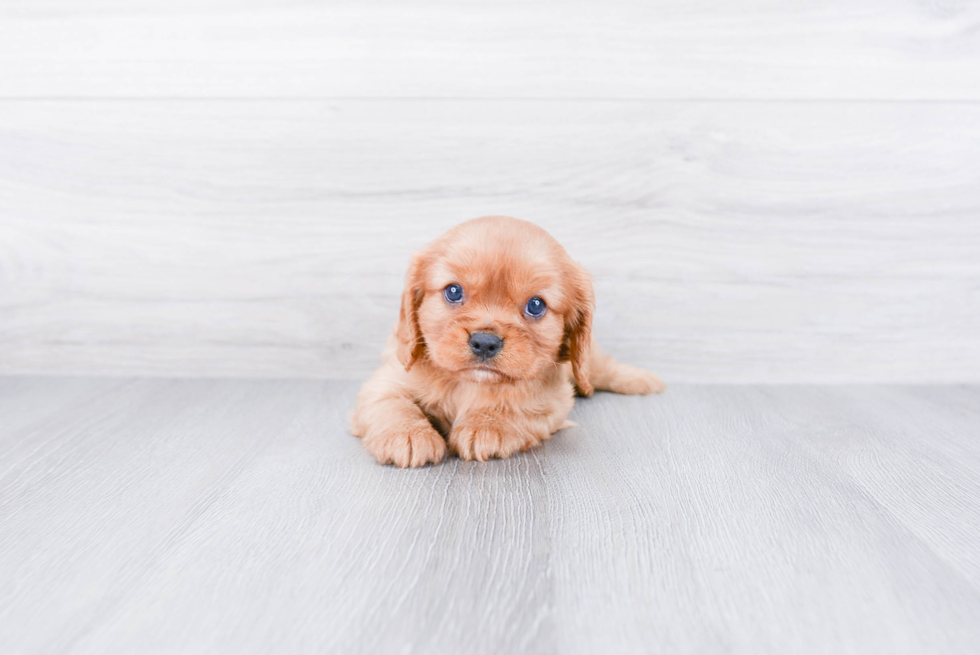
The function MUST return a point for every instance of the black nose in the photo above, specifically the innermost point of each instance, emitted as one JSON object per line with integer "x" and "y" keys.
{"x": 485, "y": 345}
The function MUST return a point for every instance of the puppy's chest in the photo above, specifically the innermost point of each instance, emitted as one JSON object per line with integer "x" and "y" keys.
{"x": 551, "y": 402}
{"x": 445, "y": 408}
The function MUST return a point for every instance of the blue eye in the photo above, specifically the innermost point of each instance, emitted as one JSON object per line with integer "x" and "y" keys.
{"x": 535, "y": 307}
{"x": 453, "y": 293}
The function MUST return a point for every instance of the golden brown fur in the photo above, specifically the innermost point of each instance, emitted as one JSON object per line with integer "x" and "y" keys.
{"x": 431, "y": 393}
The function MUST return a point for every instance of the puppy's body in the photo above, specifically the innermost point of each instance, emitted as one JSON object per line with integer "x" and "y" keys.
{"x": 492, "y": 341}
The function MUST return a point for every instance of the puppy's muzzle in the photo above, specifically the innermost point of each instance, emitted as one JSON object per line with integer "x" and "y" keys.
{"x": 485, "y": 345}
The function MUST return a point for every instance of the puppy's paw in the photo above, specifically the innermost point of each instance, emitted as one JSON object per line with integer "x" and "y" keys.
{"x": 483, "y": 442}
{"x": 635, "y": 381}
{"x": 407, "y": 446}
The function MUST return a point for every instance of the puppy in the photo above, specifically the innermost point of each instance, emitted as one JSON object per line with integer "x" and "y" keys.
{"x": 493, "y": 338}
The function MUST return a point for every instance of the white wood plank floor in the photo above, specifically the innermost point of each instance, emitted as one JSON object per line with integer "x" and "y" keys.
{"x": 239, "y": 516}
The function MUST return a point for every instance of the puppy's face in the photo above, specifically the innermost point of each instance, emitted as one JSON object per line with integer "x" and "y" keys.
{"x": 496, "y": 300}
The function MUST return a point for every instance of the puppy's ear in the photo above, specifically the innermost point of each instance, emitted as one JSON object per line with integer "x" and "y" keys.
{"x": 578, "y": 327}
{"x": 411, "y": 345}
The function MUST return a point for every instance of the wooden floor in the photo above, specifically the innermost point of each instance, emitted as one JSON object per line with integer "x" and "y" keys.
{"x": 239, "y": 516}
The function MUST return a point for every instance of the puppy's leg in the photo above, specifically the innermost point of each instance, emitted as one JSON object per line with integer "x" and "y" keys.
{"x": 606, "y": 374}
{"x": 393, "y": 427}
{"x": 483, "y": 435}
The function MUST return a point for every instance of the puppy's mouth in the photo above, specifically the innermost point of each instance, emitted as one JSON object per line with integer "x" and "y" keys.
{"x": 484, "y": 374}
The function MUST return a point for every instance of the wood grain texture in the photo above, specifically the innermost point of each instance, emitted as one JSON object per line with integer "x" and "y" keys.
{"x": 231, "y": 516}
{"x": 919, "y": 469}
{"x": 747, "y": 242}
{"x": 749, "y": 49}
{"x": 720, "y": 522}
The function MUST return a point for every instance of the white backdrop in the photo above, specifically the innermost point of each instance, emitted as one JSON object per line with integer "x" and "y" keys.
{"x": 763, "y": 191}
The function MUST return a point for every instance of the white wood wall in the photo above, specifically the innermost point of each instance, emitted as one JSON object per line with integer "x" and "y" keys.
{"x": 764, "y": 191}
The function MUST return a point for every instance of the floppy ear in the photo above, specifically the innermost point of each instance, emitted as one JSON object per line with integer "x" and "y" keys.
{"x": 411, "y": 345}
{"x": 578, "y": 327}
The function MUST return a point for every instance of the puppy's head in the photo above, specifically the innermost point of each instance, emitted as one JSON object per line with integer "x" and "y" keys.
{"x": 496, "y": 299}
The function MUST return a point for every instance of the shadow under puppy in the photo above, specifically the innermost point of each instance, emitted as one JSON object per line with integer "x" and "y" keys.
{"x": 493, "y": 338}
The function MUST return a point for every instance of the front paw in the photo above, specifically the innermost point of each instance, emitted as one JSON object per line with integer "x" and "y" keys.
{"x": 635, "y": 381}
{"x": 483, "y": 442}
{"x": 405, "y": 446}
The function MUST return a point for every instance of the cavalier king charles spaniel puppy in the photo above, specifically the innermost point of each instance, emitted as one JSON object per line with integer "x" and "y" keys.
{"x": 493, "y": 339}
